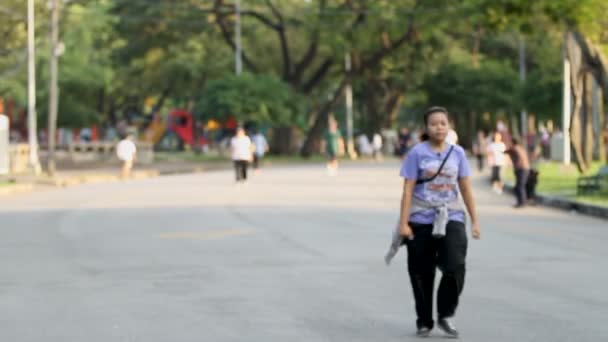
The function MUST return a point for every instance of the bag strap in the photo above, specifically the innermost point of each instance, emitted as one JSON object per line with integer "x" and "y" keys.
{"x": 422, "y": 181}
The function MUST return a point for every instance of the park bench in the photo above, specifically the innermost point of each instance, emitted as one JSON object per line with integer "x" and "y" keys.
{"x": 593, "y": 184}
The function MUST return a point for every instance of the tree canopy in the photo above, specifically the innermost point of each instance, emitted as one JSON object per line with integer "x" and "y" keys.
{"x": 140, "y": 56}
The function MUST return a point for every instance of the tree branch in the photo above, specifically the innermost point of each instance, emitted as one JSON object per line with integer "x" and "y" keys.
{"x": 262, "y": 18}
{"x": 278, "y": 27}
{"x": 283, "y": 40}
{"x": 226, "y": 33}
{"x": 308, "y": 57}
{"x": 311, "y": 52}
{"x": 285, "y": 53}
{"x": 318, "y": 75}
{"x": 321, "y": 119}
{"x": 329, "y": 61}
{"x": 275, "y": 11}
{"x": 387, "y": 50}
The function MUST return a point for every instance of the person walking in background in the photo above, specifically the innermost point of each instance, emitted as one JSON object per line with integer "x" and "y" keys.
{"x": 332, "y": 142}
{"x": 432, "y": 222}
{"x": 260, "y": 148}
{"x": 496, "y": 158}
{"x": 377, "y": 146}
{"x": 521, "y": 167}
{"x": 502, "y": 128}
{"x": 404, "y": 141}
{"x": 126, "y": 151}
{"x": 241, "y": 150}
{"x": 479, "y": 149}
{"x": 451, "y": 137}
{"x": 364, "y": 147}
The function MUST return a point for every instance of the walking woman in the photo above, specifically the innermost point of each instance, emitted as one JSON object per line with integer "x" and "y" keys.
{"x": 432, "y": 221}
{"x": 242, "y": 150}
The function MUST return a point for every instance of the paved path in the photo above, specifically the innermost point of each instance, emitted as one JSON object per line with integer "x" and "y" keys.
{"x": 295, "y": 255}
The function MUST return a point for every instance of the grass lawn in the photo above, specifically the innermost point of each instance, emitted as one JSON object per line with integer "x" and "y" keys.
{"x": 6, "y": 182}
{"x": 560, "y": 180}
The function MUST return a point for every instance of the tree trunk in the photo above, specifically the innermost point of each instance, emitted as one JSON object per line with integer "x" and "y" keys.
{"x": 373, "y": 116}
{"x": 320, "y": 121}
{"x": 602, "y": 149}
{"x": 391, "y": 109}
{"x": 575, "y": 131}
{"x": 588, "y": 140}
{"x": 467, "y": 139}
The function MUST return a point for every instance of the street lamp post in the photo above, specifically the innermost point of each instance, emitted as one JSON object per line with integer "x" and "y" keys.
{"x": 53, "y": 91}
{"x": 567, "y": 104}
{"x": 349, "y": 108}
{"x": 522, "y": 77}
{"x": 34, "y": 162}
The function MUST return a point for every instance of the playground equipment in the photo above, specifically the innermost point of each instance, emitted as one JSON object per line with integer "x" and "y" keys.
{"x": 174, "y": 133}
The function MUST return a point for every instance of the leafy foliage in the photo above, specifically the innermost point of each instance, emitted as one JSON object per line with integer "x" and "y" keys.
{"x": 405, "y": 54}
{"x": 261, "y": 98}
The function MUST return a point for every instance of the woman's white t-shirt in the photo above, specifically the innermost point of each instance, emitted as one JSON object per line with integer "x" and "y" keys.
{"x": 126, "y": 150}
{"x": 497, "y": 152}
{"x": 241, "y": 148}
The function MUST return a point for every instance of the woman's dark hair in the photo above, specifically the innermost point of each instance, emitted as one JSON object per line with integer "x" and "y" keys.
{"x": 427, "y": 115}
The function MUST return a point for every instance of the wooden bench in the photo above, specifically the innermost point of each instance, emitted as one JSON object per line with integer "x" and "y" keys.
{"x": 593, "y": 184}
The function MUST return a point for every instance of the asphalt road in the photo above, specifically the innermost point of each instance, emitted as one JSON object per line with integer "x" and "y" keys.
{"x": 294, "y": 255}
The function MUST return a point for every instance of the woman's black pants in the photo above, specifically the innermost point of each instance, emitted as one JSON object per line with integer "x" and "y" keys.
{"x": 240, "y": 168}
{"x": 425, "y": 254}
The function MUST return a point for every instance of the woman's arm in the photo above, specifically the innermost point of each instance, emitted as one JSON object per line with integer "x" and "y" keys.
{"x": 467, "y": 196}
{"x": 406, "y": 204}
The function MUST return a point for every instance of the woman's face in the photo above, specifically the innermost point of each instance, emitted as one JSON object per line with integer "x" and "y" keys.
{"x": 437, "y": 126}
{"x": 498, "y": 137}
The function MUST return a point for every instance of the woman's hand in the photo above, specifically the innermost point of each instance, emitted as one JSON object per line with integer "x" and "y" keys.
{"x": 475, "y": 231}
{"x": 406, "y": 231}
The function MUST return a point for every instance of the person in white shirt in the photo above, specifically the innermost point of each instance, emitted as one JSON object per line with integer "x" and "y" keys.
{"x": 242, "y": 149}
{"x": 126, "y": 152}
{"x": 365, "y": 148}
{"x": 496, "y": 158}
{"x": 260, "y": 148}
{"x": 377, "y": 146}
{"x": 451, "y": 137}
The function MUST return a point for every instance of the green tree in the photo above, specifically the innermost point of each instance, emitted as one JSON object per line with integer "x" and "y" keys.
{"x": 469, "y": 92}
{"x": 247, "y": 97}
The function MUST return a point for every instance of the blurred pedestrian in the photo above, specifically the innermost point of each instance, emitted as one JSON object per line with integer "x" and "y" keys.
{"x": 521, "y": 167}
{"x": 364, "y": 147}
{"x": 496, "y": 158}
{"x": 241, "y": 150}
{"x": 451, "y": 137}
{"x": 502, "y": 128}
{"x": 377, "y": 146}
{"x": 479, "y": 149}
{"x": 126, "y": 151}
{"x": 332, "y": 145}
{"x": 260, "y": 148}
{"x": 432, "y": 221}
{"x": 404, "y": 142}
